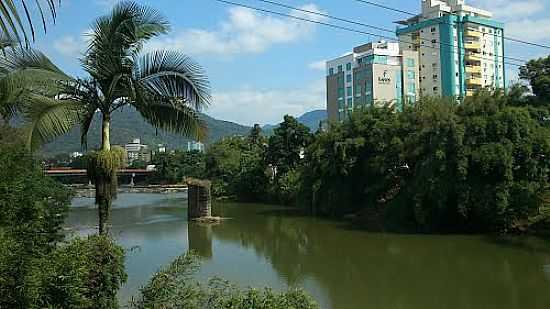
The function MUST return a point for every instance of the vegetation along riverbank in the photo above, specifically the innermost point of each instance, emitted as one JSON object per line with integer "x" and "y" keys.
{"x": 476, "y": 167}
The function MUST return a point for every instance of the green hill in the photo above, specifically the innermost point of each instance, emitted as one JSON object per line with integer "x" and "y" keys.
{"x": 128, "y": 124}
{"x": 311, "y": 120}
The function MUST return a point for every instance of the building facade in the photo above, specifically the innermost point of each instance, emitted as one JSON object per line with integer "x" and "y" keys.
{"x": 374, "y": 74}
{"x": 460, "y": 48}
{"x": 195, "y": 146}
{"x": 137, "y": 151}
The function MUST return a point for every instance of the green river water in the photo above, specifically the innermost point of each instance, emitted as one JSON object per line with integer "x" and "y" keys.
{"x": 340, "y": 267}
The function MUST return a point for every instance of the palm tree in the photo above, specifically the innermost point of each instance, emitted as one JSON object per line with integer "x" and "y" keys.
{"x": 166, "y": 87}
{"x": 26, "y": 75}
{"x": 16, "y": 26}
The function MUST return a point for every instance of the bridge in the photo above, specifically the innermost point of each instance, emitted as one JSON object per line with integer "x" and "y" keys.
{"x": 75, "y": 176}
{"x": 67, "y": 172}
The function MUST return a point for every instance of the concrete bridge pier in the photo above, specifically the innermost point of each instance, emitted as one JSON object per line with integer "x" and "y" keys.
{"x": 199, "y": 199}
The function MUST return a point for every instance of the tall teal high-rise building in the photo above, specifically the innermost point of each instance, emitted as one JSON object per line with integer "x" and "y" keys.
{"x": 460, "y": 48}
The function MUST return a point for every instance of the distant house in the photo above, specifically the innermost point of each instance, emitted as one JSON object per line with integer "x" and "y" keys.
{"x": 137, "y": 151}
{"x": 195, "y": 146}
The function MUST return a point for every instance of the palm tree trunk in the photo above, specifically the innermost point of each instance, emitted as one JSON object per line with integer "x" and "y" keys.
{"x": 105, "y": 183}
{"x": 106, "y": 133}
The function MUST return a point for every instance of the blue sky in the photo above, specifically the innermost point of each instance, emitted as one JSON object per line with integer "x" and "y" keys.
{"x": 262, "y": 67}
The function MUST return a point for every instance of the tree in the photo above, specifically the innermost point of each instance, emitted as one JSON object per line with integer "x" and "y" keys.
{"x": 287, "y": 144}
{"x": 27, "y": 76}
{"x": 167, "y": 88}
{"x": 40, "y": 269}
{"x": 255, "y": 137}
{"x": 14, "y": 29}
{"x": 537, "y": 73}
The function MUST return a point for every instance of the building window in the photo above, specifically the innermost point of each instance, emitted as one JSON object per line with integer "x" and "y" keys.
{"x": 348, "y": 92}
{"x": 340, "y": 69}
{"x": 410, "y": 62}
{"x": 331, "y": 71}
{"x": 340, "y": 93}
{"x": 411, "y": 88}
{"x": 411, "y": 74}
{"x": 348, "y": 67}
{"x": 435, "y": 89}
{"x": 358, "y": 90}
{"x": 348, "y": 78}
{"x": 350, "y": 103}
{"x": 433, "y": 29}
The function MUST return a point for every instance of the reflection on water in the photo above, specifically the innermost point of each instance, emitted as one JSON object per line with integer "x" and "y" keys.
{"x": 341, "y": 268}
{"x": 200, "y": 239}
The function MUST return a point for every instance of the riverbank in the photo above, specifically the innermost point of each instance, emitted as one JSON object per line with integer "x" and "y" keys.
{"x": 89, "y": 191}
{"x": 341, "y": 267}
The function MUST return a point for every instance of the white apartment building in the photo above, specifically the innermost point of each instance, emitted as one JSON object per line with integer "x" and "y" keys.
{"x": 137, "y": 151}
{"x": 460, "y": 48}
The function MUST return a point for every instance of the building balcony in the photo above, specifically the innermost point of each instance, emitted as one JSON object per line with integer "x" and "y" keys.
{"x": 474, "y": 81}
{"x": 472, "y": 33}
{"x": 473, "y": 69}
{"x": 472, "y": 46}
{"x": 472, "y": 57}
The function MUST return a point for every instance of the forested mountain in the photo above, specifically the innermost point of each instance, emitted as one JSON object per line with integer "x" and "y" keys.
{"x": 128, "y": 124}
{"x": 309, "y": 119}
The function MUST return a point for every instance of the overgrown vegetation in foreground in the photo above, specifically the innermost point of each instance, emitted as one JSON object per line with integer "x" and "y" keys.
{"x": 439, "y": 166}
{"x": 39, "y": 268}
{"x": 174, "y": 287}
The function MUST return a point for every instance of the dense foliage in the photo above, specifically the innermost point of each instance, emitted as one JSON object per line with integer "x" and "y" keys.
{"x": 38, "y": 269}
{"x": 479, "y": 166}
{"x": 236, "y": 166}
{"x": 537, "y": 73}
{"x": 174, "y": 287}
{"x": 174, "y": 167}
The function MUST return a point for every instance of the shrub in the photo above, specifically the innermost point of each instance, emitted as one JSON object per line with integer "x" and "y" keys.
{"x": 174, "y": 287}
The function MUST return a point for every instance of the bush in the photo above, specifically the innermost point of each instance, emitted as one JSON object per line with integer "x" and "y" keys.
{"x": 174, "y": 287}
{"x": 38, "y": 270}
{"x": 86, "y": 273}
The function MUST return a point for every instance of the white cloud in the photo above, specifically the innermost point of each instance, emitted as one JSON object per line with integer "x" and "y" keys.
{"x": 245, "y": 31}
{"x": 70, "y": 46}
{"x": 525, "y": 19}
{"x": 508, "y": 10}
{"x": 318, "y": 65}
{"x": 529, "y": 29}
{"x": 107, "y": 3}
{"x": 250, "y": 106}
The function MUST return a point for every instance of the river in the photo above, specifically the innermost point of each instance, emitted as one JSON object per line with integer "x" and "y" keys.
{"x": 340, "y": 267}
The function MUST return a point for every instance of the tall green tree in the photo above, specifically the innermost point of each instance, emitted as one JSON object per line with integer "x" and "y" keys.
{"x": 537, "y": 73}
{"x": 287, "y": 144}
{"x": 166, "y": 87}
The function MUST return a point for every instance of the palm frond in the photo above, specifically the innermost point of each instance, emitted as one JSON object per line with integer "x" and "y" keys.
{"x": 23, "y": 71}
{"x": 86, "y": 119}
{"x": 12, "y": 25}
{"x": 31, "y": 62}
{"x": 116, "y": 37}
{"x": 172, "y": 74}
{"x": 48, "y": 118}
{"x": 173, "y": 117}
